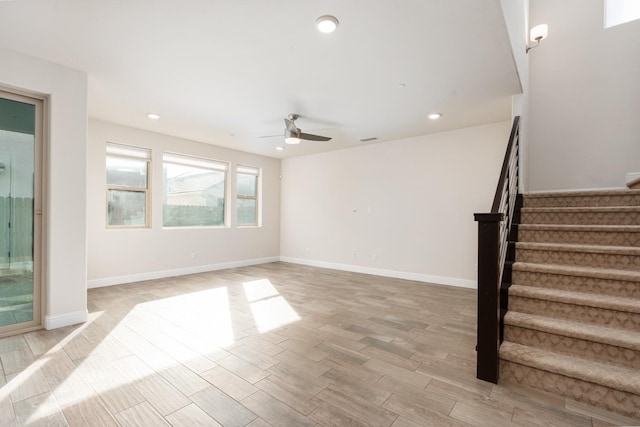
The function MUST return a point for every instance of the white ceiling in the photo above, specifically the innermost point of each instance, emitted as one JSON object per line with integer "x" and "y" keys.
{"x": 226, "y": 72}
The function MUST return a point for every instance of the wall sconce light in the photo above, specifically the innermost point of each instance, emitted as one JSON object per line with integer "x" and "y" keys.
{"x": 537, "y": 33}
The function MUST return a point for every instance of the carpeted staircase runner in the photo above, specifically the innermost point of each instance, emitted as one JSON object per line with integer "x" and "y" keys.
{"x": 573, "y": 324}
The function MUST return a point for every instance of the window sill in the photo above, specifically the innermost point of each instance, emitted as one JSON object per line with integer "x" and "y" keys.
{"x": 197, "y": 227}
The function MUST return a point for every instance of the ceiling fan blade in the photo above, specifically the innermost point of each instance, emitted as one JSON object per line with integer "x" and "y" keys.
{"x": 310, "y": 137}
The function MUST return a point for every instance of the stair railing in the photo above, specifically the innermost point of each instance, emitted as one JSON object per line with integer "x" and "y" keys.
{"x": 493, "y": 232}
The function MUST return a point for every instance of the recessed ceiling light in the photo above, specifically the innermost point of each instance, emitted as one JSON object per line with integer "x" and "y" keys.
{"x": 401, "y": 85}
{"x": 435, "y": 116}
{"x": 153, "y": 116}
{"x": 280, "y": 148}
{"x": 327, "y": 23}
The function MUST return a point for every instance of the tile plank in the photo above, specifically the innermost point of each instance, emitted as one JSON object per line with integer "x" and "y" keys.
{"x": 275, "y": 412}
{"x": 366, "y": 412}
{"x": 222, "y": 408}
{"x": 161, "y": 395}
{"x": 229, "y": 383}
{"x": 191, "y": 416}
{"x": 141, "y": 415}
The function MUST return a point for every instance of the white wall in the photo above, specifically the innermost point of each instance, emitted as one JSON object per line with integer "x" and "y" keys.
{"x": 584, "y": 127}
{"x": 516, "y": 16}
{"x": 408, "y": 202}
{"x": 121, "y": 256}
{"x": 65, "y": 211}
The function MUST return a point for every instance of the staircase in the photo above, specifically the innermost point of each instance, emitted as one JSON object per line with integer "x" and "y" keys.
{"x": 573, "y": 321}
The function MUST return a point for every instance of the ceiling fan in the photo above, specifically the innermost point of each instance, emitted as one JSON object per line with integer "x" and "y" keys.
{"x": 293, "y": 135}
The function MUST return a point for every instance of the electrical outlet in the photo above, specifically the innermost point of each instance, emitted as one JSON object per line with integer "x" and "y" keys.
{"x": 374, "y": 257}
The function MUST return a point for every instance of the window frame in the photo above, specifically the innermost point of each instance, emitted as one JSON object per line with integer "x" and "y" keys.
{"x": 257, "y": 173}
{"x": 198, "y": 162}
{"x": 129, "y": 152}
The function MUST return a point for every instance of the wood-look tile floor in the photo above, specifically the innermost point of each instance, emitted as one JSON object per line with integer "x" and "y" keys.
{"x": 276, "y": 344}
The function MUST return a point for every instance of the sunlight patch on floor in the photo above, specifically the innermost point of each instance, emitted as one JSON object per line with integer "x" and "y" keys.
{"x": 259, "y": 289}
{"x": 270, "y": 310}
{"x": 203, "y": 316}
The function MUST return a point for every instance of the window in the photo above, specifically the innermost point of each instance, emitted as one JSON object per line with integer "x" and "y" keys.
{"x": 247, "y": 195}
{"x": 194, "y": 191}
{"x": 127, "y": 186}
{"x": 618, "y": 12}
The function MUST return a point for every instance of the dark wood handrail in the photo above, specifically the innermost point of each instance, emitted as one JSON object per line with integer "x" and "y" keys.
{"x": 493, "y": 231}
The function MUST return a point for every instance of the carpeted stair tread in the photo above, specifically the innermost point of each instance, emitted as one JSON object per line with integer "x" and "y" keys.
{"x": 585, "y": 234}
{"x": 630, "y": 305}
{"x": 571, "y": 270}
{"x": 564, "y": 247}
{"x": 611, "y": 376}
{"x": 571, "y": 227}
{"x": 572, "y": 329}
{"x": 583, "y": 209}
{"x": 585, "y": 193}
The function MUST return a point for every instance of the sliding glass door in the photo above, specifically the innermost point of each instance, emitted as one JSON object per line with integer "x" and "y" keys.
{"x": 20, "y": 213}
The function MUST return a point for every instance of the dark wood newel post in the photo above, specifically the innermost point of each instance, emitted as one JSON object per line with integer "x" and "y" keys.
{"x": 488, "y": 295}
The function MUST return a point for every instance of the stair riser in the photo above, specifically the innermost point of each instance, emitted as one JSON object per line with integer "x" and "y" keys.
{"x": 595, "y": 351}
{"x": 581, "y": 218}
{"x": 582, "y": 259}
{"x": 593, "y": 394}
{"x": 580, "y": 313}
{"x": 580, "y": 237}
{"x": 591, "y": 285}
{"x": 582, "y": 201}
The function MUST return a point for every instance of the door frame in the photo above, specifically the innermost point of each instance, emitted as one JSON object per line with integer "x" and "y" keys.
{"x": 40, "y": 205}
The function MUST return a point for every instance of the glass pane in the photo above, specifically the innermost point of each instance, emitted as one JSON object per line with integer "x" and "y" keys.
{"x": 126, "y": 208}
{"x": 246, "y": 211}
{"x": 126, "y": 172}
{"x": 17, "y": 167}
{"x": 621, "y": 11}
{"x": 247, "y": 185}
{"x": 193, "y": 196}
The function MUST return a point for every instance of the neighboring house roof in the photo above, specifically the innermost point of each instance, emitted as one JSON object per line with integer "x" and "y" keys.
{"x": 194, "y": 182}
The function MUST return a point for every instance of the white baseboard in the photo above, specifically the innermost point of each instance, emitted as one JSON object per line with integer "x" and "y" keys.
{"x": 67, "y": 319}
{"x": 440, "y": 280}
{"x": 130, "y": 278}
